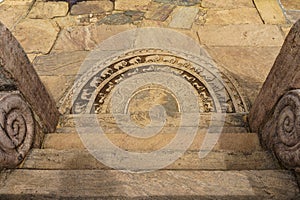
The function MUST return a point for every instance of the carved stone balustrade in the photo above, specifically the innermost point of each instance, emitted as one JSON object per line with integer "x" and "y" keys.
{"x": 275, "y": 114}
{"x": 26, "y": 109}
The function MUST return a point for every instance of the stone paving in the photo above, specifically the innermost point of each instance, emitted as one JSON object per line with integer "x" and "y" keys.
{"x": 242, "y": 36}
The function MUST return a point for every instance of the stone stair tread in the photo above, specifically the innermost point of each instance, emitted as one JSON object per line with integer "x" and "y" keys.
{"x": 239, "y": 142}
{"x": 179, "y": 184}
{"x": 205, "y": 120}
{"x": 215, "y": 160}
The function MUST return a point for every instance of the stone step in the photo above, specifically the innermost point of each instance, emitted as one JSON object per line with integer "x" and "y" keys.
{"x": 142, "y": 118}
{"x": 179, "y": 184}
{"x": 237, "y": 142}
{"x": 215, "y": 160}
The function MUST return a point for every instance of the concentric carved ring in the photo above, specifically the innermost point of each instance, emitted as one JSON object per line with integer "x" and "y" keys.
{"x": 16, "y": 129}
{"x": 287, "y": 138}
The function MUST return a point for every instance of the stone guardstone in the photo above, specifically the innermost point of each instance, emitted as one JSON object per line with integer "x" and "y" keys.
{"x": 275, "y": 113}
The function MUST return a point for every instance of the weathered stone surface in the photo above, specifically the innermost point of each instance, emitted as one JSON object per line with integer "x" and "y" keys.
{"x": 48, "y": 10}
{"x": 233, "y": 16}
{"x": 241, "y": 35}
{"x": 237, "y": 142}
{"x": 86, "y": 37}
{"x": 270, "y": 11}
{"x": 18, "y": 132}
{"x": 228, "y": 4}
{"x": 248, "y": 65}
{"x": 57, "y": 85}
{"x": 290, "y": 4}
{"x": 16, "y": 63}
{"x": 109, "y": 184}
{"x": 82, "y": 159}
{"x": 91, "y": 7}
{"x": 31, "y": 32}
{"x": 116, "y": 19}
{"x": 159, "y": 12}
{"x": 56, "y": 64}
{"x": 11, "y": 14}
{"x": 183, "y": 17}
{"x": 131, "y": 5}
{"x": 180, "y": 2}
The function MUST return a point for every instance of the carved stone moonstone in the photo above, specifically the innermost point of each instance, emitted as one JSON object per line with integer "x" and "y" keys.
{"x": 216, "y": 91}
{"x": 16, "y": 129}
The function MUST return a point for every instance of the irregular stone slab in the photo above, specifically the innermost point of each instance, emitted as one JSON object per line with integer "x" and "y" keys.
{"x": 109, "y": 184}
{"x": 180, "y": 2}
{"x": 48, "y": 10}
{"x": 275, "y": 113}
{"x": 131, "y": 5}
{"x": 91, "y": 7}
{"x": 11, "y": 14}
{"x": 237, "y": 142}
{"x": 184, "y": 17}
{"x": 15, "y": 62}
{"x": 86, "y": 37}
{"x": 233, "y": 16}
{"x": 270, "y": 11}
{"x": 64, "y": 63}
{"x": 240, "y": 35}
{"x": 82, "y": 159}
{"x": 228, "y": 4}
{"x": 31, "y": 32}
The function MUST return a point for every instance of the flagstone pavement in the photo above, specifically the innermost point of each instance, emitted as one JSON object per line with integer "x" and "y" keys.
{"x": 242, "y": 36}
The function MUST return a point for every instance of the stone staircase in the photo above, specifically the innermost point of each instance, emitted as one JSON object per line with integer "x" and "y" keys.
{"x": 236, "y": 168}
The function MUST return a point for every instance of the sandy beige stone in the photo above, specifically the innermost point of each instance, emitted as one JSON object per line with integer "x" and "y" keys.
{"x": 57, "y": 85}
{"x": 241, "y": 35}
{"x": 248, "y": 65}
{"x": 48, "y": 10}
{"x": 270, "y": 11}
{"x": 183, "y": 17}
{"x": 165, "y": 184}
{"x": 233, "y": 16}
{"x": 57, "y": 64}
{"x": 86, "y": 37}
{"x": 36, "y": 36}
{"x": 221, "y": 4}
{"x": 131, "y": 5}
{"x": 10, "y": 15}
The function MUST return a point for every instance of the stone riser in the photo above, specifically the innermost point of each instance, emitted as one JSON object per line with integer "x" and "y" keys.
{"x": 238, "y": 142}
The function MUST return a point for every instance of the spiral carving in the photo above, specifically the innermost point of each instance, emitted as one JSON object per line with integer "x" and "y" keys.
{"x": 286, "y": 143}
{"x": 17, "y": 129}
